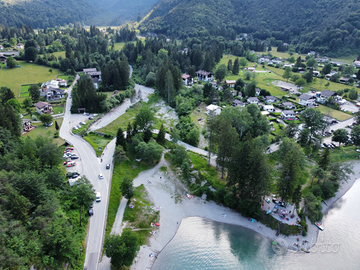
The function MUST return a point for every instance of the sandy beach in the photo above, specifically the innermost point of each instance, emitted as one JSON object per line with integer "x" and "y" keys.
{"x": 169, "y": 194}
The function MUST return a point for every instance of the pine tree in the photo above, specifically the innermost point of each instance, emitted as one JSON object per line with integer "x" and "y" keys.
{"x": 120, "y": 139}
{"x": 56, "y": 125}
{"x": 235, "y": 69}
{"x": 230, "y": 65}
{"x": 161, "y": 136}
{"x": 129, "y": 132}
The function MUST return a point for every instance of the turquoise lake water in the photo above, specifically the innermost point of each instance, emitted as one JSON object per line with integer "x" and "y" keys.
{"x": 205, "y": 244}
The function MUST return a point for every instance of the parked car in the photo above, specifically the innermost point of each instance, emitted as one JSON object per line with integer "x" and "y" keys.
{"x": 79, "y": 126}
{"x": 75, "y": 127}
{"x": 74, "y": 157}
{"x": 91, "y": 118}
{"x": 66, "y": 162}
{"x": 69, "y": 148}
{"x": 107, "y": 166}
{"x": 91, "y": 211}
{"x": 82, "y": 123}
{"x": 48, "y": 125}
{"x": 98, "y": 197}
{"x": 69, "y": 174}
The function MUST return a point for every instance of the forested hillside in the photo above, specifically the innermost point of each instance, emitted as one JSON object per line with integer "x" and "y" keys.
{"x": 323, "y": 25}
{"x": 41, "y": 14}
{"x": 117, "y": 12}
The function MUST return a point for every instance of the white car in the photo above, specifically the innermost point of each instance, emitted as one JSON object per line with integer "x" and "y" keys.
{"x": 75, "y": 127}
{"x": 101, "y": 176}
{"x": 82, "y": 123}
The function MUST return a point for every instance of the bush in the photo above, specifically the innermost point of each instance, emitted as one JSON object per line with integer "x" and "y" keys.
{"x": 56, "y": 134}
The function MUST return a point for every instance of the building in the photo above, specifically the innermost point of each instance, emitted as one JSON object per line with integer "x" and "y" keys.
{"x": 306, "y": 100}
{"x": 356, "y": 63}
{"x": 62, "y": 82}
{"x": 93, "y": 73}
{"x": 325, "y": 95}
{"x": 270, "y": 99}
{"x": 26, "y": 125}
{"x": 344, "y": 80}
{"x": 51, "y": 90}
{"x": 289, "y": 105}
{"x": 43, "y": 107}
{"x": 251, "y": 69}
{"x": 19, "y": 46}
{"x": 204, "y": 76}
{"x": 253, "y": 100}
{"x": 213, "y": 110}
{"x": 257, "y": 91}
{"x": 230, "y": 83}
{"x": 328, "y": 76}
{"x": 288, "y": 114}
{"x": 187, "y": 79}
{"x": 269, "y": 108}
{"x": 239, "y": 103}
{"x": 1, "y": 47}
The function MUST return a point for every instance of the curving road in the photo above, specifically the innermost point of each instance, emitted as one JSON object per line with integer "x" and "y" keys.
{"x": 91, "y": 167}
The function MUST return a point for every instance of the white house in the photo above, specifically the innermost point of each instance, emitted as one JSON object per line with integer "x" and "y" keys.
{"x": 230, "y": 83}
{"x": 269, "y": 108}
{"x": 257, "y": 91}
{"x": 251, "y": 69}
{"x": 289, "y": 105}
{"x": 356, "y": 63}
{"x": 43, "y": 107}
{"x": 253, "y": 100}
{"x": 204, "y": 76}
{"x": 19, "y": 46}
{"x": 288, "y": 114}
{"x": 213, "y": 110}
{"x": 306, "y": 100}
{"x": 187, "y": 79}
{"x": 270, "y": 99}
{"x": 62, "y": 82}
{"x": 332, "y": 73}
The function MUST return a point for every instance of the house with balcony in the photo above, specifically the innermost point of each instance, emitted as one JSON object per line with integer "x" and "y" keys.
{"x": 307, "y": 100}
{"x": 288, "y": 114}
{"x": 43, "y": 107}
{"x": 187, "y": 79}
{"x": 253, "y": 100}
{"x": 204, "y": 76}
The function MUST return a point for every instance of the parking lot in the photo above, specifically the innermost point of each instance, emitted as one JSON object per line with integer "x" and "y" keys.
{"x": 78, "y": 167}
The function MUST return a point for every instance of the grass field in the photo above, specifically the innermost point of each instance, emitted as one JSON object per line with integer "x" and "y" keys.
{"x": 127, "y": 169}
{"x": 57, "y": 54}
{"x": 28, "y": 74}
{"x": 58, "y": 109}
{"x": 49, "y": 132}
{"x": 97, "y": 142}
{"x": 341, "y": 116}
{"x": 118, "y": 46}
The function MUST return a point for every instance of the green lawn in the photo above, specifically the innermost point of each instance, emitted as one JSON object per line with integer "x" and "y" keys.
{"x": 57, "y": 54}
{"x": 49, "y": 132}
{"x": 29, "y": 73}
{"x": 118, "y": 46}
{"x": 127, "y": 169}
{"x": 339, "y": 115}
{"x": 97, "y": 142}
{"x": 58, "y": 109}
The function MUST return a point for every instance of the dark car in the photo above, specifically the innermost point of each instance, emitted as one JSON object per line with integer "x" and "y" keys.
{"x": 107, "y": 166}
{"x": 91, "y": 211}
{"x": 74, "y": 157}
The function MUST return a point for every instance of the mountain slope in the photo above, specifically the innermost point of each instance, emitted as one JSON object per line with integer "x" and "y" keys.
{"x": 117, "y": 12}
{"x": 44, "y": 13}
{"x": 321, "y": 24}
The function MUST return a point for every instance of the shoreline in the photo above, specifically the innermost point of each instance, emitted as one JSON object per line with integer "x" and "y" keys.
{"x": 167, "y": 192}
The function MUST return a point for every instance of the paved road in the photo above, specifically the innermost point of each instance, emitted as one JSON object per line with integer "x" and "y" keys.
{"x": 120, "y": 110}
{"x": 92, "y": 166}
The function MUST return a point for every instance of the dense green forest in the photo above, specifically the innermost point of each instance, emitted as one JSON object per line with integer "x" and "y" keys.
{"x": 324, "y": 26}
{"x": 42, "y": 14}
{"x": 42, "y": 218}
{"x": 51, "y": 13}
